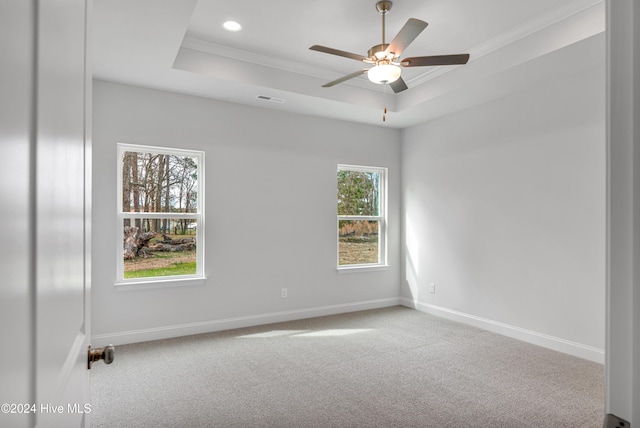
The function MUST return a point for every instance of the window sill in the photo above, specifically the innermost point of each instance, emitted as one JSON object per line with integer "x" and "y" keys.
{"x": 159, "y": 283}
{"x": 361, "y": 268}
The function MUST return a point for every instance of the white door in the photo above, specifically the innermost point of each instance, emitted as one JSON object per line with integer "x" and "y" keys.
{"x": 45, "y": 118}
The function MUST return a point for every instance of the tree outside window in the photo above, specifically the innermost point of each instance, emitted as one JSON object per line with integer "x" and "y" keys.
{"x": 361, "y": 215}
{"x": 160, "y": 213}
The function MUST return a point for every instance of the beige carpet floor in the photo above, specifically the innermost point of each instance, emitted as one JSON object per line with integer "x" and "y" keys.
{"x": 392, "y": 367}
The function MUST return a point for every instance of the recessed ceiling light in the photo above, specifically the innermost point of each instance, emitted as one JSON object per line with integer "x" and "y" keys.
{"x": 232, "y": 26}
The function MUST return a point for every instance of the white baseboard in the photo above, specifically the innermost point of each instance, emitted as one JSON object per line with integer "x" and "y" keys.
{"x": 557, "y": 344}
{"x": 145, "y": 335}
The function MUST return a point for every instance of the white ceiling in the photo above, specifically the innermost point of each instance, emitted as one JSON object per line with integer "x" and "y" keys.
{"x": 180, "y": 45}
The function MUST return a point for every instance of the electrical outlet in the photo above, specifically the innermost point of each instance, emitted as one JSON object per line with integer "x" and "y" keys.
{"x": 283, "y": 293}
{"x": 432, "y": 288}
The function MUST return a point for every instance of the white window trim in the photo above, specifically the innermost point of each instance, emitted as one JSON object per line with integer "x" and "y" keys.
{"x": 381, "y": 217}
{"x": 160, "y": 281}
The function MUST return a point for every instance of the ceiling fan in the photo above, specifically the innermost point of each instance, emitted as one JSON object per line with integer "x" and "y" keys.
{"x": 385, "y": 58}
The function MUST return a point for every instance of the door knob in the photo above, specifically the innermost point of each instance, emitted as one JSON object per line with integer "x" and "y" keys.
{"x": 97, "y": 354}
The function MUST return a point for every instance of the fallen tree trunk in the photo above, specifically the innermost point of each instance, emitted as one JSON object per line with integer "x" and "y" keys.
{"x": 136, "y": 242}
{"x": 168, "y": 244}
{"x": 173, "y": 248}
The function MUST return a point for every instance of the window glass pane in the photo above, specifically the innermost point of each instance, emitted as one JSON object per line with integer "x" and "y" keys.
{"x": 358, "y": 193}
{"x": 159, "y": 247}
{"x": 153, "y": 182}
{"x": 357, "y": 242}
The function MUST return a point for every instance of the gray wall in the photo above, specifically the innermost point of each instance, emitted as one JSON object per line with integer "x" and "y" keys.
{"x": 260, "y": 238}
{"x": 623, "y": 315}
{"x": 504, "y": 210}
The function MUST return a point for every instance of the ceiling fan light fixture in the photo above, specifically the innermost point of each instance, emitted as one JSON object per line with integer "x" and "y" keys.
{"x": 384, "y": 73}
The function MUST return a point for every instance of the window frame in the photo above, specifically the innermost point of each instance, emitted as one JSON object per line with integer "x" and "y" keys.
{"x": 160, "y": 281}
{"x": 381, "y": 218}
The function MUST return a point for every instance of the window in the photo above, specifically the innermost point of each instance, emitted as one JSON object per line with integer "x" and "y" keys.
{"x": 160, "y": 214}
{"x": 361, "y": 216}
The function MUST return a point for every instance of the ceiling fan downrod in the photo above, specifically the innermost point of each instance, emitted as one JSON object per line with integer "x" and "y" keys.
{"x": 383, "y": 7}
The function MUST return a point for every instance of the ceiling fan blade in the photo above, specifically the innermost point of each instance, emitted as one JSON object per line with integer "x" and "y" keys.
{"x": 399, "y": 85}
{"x": 345, "y": 78}
{"x": 337, "y": 52}
{"x": 420, "y": 61}
{"x": 407, "y": 34}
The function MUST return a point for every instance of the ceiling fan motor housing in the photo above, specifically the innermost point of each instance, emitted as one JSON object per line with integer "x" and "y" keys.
{"x": 378, "y": 52}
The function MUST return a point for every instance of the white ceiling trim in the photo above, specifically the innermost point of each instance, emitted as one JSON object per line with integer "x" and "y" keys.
{"x": 500, "y": 41}
{"x": 249, "y": 57}
{"x": 264, "y": 60}
{"x": 506, "y": 38}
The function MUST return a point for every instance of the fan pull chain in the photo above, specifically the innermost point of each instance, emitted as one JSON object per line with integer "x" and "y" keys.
{"x": 384, "y": 112}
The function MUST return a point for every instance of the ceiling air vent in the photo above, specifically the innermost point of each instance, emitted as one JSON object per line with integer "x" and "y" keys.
{"x": 270, "y": 99}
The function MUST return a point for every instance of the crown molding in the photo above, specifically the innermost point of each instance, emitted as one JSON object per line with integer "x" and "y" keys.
{"x": 211, "y": 48}
{"x": 506, "y": 38}
{"x": 500, "y": 41}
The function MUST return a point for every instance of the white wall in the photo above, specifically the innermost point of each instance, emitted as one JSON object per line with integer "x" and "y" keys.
{"x": 17, "y": 121}
{"x": 270, "y": 214}
{"x": 623, "y": 296}
{"x": 504, "y": 209}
